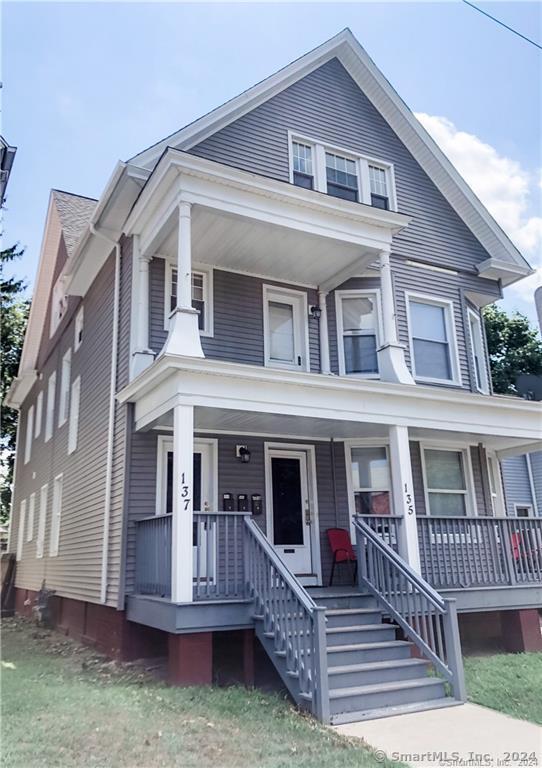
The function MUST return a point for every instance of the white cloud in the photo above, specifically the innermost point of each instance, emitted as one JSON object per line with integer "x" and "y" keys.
{"x": 506, "y": 188}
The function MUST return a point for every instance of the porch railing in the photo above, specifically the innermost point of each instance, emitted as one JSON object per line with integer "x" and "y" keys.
{"x": 426, "y": 618}
{"x": 460, "y": 552}
{"x": 291, "y": 619}
{"x": 386, "y": 526}
{"x": 153, "y": 556}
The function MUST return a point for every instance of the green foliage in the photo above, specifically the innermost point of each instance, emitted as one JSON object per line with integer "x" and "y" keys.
{"x": 514, "y": 347}
{"x": 14, "y": 315}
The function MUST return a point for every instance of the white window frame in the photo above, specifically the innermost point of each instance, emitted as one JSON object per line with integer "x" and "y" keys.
{"x": 354, "y": 294}
{"x": 75, "y": 399}
{"x": 449, "y": 316}
{"x": 42, "y": 520}
{"x": 50, "y": 411}
{"x": 496, "y": 494}
{"x": 65, "y": 383}
{"x": 29, "y": 436}
{"x": 59, "y": 305}
{"x": 208, "y": 293}
{"x": 20, "y": 532}
{"x": 468, "y": 493}
{"x": 39, "y": 414}
{"x": 30, "y": 520}
{"x": 478, "y": 349}
{"x": 363, "y": 162}
{"x": 299, "y": 302}
{"x": 528, "y": 506}
{"x": 78, "y": 328}
{"x": 363, "y": 443}
{"x": 56, "y": 515}
{"x": 164, "y": 446}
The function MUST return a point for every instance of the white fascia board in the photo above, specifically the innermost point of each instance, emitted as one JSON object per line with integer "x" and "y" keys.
{"x": 235, "y": 386}
{"x": 507, "y": 273}
{"x": 19, "y": 389}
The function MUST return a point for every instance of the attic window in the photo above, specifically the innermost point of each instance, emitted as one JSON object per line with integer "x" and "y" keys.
{"x": 59, "y": 305}
{"x": 302, "y": 162}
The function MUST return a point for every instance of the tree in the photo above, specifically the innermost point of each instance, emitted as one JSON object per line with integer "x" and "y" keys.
{"x": 514, "y": 347}
{"x": 14, "y": 315}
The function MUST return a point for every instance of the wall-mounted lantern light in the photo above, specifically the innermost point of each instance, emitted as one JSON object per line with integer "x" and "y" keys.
{"x": 315, "y": 313}
{"x": 242, "y": 453}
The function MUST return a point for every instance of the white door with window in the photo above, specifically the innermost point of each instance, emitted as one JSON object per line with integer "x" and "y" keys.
{"x": 290, "y": 514}
{"x": 285, "y": 329}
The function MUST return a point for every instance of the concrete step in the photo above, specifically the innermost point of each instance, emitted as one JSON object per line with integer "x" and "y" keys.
{"x": 345, "y": 617}
{"x": 359, "y": 653}
{"x": 361, "y": 633}
{"x": 404, "y": 709}
{"x": 351, "y": 675}
{"x": 378, "y": 695}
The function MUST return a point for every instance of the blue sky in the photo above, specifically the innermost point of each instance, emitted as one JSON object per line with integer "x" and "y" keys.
{"x": 86, "y": 84}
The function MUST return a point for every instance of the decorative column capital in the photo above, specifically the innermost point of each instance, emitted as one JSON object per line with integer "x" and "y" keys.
{"x": 185, "y": 209}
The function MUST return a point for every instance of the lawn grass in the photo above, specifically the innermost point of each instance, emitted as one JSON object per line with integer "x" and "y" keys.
{"x": 510, "y": 683}
{"x": 62, "y": 705}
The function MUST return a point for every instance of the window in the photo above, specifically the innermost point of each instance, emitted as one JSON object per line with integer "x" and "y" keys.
{"x": 432, "y": 340}
{"x": 478, "y": 352}
{"x": 74, "y": 415}
{"x": 357, "y": 326}
{"x": 30, "y": 523}
{"x": 523, "y": 510}
{"x": 285, "y": 329}
{"x": 39, "y": 414}
{"x": 59, "y": 305}
{"x": 342, "y": 177}
{"x": 20, "y": 533}
{"x": 55, "y": 518}
{"x": 446, "y": 482}
{"x": 202, "y": 293}
{"x": 379, "y": 187}
{"x": 64, "y": 402}
{"x": 371, "y": 482}
{"x": 302, "y": 165}
{"x": 49, "y": 416}
{"x": 495, "y": 485}
{"x": 42, "y": 519}
{"x": 29, "y": 431}
{"x": 78, "y": 329}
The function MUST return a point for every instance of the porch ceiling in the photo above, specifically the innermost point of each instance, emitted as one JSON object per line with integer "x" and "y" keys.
{"x": 231, "y": 241}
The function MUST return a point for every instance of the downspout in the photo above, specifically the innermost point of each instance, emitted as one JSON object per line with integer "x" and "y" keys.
{"x": 111, "y": 416}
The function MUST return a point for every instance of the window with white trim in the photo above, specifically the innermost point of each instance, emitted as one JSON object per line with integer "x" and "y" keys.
{"x": 42, "y": 520}
{"x": 285, "y": 328}
{"x": 339, "y": 172}
{"x": 29, "y": 434}
{"x": 478, "y": 352}
{"x": 55, "y": 516}
{"x": 202, "y": 297}
{"x": 50, "y": 413}
{"x": 64, "y": 401}
{"x": 78, "y": 328}
{"x": 358, "y": 318}
{"x": 432, "y": 340}
{"x": 495, "y": 485}
{"x": 20, "y": 533}
{"x": 74, "y": 415}
{"x": 39, "y": 414}
{"x": 59, "y": 305}
{"x": 30, "y": 522}
{"x": 371, "y": 480}
{"x": 446, "y": 482}
{"x": 523, "y": 510}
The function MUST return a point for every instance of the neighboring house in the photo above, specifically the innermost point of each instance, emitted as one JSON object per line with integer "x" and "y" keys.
{"x": 522, "y": 475}
{"x": 267, "y": 326}
{"x": 7, "y": 156}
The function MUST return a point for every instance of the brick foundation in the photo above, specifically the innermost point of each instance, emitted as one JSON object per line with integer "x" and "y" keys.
{"x": 509, "y": 631}
{"x": 521, "y": 631}
{"x": 190, "y": 659}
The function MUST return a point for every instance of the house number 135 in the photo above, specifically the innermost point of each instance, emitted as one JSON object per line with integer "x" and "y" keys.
{"x": 408, "y": 501}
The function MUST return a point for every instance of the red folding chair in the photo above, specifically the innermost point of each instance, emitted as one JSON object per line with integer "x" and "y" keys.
{"x": 342, "y": 551}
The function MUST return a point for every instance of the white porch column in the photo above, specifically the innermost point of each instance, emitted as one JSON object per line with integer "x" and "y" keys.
{"x": 402, "y": 489}
{"x": 142, "y": 355}
{"x": 391, "y": 354}
{"x": 324, "y": 333}
{"x": 181, "y": 523}
{"x": 183, "y": 338}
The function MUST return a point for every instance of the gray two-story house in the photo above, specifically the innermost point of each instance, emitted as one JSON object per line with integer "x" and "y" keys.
{"x": 256, "y": 365}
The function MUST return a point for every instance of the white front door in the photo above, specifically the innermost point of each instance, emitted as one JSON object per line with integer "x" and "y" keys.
{"x": 289, "y": 509}
{"x": 285, "y": 329}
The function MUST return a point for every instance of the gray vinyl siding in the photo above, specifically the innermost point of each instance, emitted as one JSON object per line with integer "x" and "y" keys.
{"x": 517, "y": 487}
{"x": 536, "y": 466}
{"x": 417, "y": 478}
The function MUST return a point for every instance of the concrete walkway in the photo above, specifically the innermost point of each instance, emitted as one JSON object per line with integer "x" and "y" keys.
{"x": 467, "y": 735}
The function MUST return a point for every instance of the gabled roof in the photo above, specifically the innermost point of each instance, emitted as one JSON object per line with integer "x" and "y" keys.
{"x": 75, "y": 213}
{"x": 346, "y": 48}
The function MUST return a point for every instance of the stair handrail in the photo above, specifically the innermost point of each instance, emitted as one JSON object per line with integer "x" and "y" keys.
{"x": 426, "y": 618}
{"x": 297, "y": 623}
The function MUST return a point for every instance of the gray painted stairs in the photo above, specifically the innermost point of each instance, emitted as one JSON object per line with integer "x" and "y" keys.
{"x": 371, "y": 673}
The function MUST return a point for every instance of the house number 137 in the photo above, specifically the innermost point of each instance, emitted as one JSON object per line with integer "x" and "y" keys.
{"x": 185, "y": 492}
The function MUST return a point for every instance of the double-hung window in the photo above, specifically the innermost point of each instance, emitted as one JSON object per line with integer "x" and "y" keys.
{"x": 20, "y": 534}
{"x": 29, "y": 434}
{"x": 478, "y": 352}
{"x": 302, "y": 160}
{"x": 371, "y": 481}
{"x": 49, "y": 415}
{"x": 55, "y": 516}
{"x": 39, "y": 414}
{"x": 42, "y": 520}
{"x": 64, "y": 402}
{"x": 202, "y": 293}
{"x": 446, "y": 482}
{"x": 357, "y": 325}
{"x": 30, "y": 521}
{"x": 432, "y": 340}
{"x": 285, "y": 328}
{"x": 378, "y": 179}
{"x": 342, "y": 177}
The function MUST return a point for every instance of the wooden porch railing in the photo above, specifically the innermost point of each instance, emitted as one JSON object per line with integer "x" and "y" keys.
{"x": 460, "y": 552}
{"x": 386, "y": 526}
{"x": 425, "y": 617}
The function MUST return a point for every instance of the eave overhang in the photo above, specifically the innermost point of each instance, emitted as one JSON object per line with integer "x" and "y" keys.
{"x": 19, "y": 389}
{"x": 505, "y": 271}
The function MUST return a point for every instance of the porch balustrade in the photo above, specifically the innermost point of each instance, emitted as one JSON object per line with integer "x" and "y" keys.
{"x": 386, "y": 526}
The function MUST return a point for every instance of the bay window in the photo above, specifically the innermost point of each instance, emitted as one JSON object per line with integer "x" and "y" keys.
{"x": 357, "y": 326}
{"x": 432, "y": 340}
{"x": 446, "y": 482}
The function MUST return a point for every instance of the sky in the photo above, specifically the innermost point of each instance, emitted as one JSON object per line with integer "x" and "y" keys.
{"x": 88, "y": 84}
